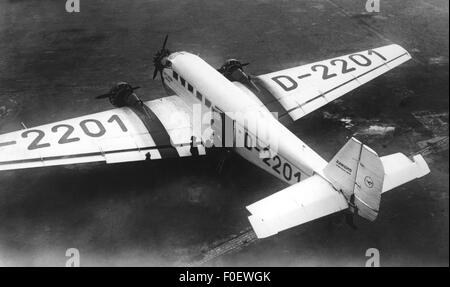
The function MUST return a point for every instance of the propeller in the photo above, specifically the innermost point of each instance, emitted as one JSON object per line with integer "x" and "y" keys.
{"x": 118, "y": 88}
{"x": 232, "y": 64}
{"x": 119, "y": 94}
{"x": 158, "y": 57}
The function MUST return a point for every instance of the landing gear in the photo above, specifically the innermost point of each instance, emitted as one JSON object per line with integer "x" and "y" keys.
{"x": 223, "y": 157}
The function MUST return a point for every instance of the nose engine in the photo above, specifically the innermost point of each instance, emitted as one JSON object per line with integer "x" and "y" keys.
{"x": 160, "y": 60}
{"x": 122, "y": 94}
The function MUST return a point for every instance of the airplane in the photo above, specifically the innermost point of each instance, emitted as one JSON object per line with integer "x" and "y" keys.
{"x": 209, "y": 108}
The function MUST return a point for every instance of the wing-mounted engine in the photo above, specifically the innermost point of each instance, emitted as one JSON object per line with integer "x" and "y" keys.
{"x": 122, "y": 95}
{"x": 233, "y": 70}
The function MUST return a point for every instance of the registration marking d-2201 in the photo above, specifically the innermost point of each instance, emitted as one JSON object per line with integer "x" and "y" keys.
{"x": 347, "y": 64}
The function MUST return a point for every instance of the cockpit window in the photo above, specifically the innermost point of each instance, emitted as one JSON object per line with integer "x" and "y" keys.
{"x": 175, "y": 75}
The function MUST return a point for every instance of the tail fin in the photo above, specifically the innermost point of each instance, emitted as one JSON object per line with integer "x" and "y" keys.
{"x": 362, "y": 176}
{"x": 358, "y": 172}
{"x": 341, "y": 170}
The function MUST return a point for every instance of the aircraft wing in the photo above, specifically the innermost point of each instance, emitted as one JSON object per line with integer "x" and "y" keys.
{"x": 162, "y": 130}
{"x": 298, "y": 91}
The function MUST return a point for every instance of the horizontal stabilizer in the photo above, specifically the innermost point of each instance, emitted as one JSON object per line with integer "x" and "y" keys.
{"x": 302, "y": 202}
{"x": 399, "y": 169}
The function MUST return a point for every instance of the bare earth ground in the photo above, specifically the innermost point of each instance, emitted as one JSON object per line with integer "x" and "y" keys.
{"x": 52, "y": 64}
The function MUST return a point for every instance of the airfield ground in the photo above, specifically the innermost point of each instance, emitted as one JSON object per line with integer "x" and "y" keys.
{"x": 53, "y": 64}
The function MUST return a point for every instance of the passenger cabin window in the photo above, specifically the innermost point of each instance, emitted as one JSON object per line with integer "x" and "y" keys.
{"x": 175, "y": 75}
{"x": 190, "y": 88}
{"x": 207, "y": 103}
{"x": 199, "y": 96}
{"x": 183, "y": 82}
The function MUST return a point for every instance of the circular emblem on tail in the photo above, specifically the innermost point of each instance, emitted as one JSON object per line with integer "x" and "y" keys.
{"x": 368, "y": 181}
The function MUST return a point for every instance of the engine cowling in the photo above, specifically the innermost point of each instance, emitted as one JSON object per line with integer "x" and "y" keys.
{"x": 233, "y": 70}
{"x": 122, "y": 94}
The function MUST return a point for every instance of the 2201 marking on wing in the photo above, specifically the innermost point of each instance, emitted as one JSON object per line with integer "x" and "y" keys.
{"x": 66, "y": 137}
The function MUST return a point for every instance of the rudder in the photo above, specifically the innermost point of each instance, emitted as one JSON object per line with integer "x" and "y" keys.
{"x": 357, "y": 172}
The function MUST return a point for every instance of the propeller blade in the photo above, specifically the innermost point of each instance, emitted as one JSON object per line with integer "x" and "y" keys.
{"x": 103, "y": 96}
{"x": 245, "y": 64}
{"x": 155, "y": 73}
{"x": 135, "y": 88}
{"x": 162, "y": 78}
{"x": 165, "y": 42}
